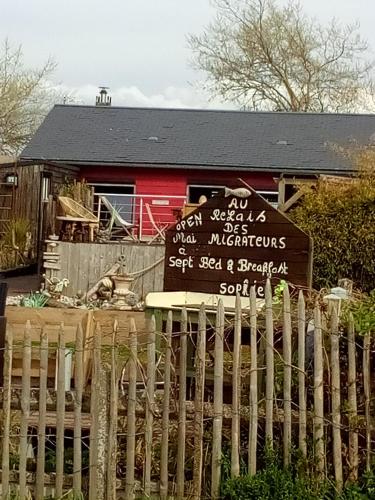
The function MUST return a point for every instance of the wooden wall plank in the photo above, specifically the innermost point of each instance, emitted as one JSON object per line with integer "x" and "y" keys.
{"x": 83, "y": 264}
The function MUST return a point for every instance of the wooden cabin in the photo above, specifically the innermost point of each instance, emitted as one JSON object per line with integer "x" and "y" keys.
{"x": 27, "y": 190}
{"x": 151, "y": 162}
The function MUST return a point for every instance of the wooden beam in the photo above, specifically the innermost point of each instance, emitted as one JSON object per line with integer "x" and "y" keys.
{"x": 292, "y": 200}
{"x": 295, "y": 181}
{"x": 281, "y": 195}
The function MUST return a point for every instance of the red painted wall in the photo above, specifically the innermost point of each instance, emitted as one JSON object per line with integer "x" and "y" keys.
{"x": 159, "y": 182}
{"x": 169, "y": 182}
{"x": 154, "y": 179}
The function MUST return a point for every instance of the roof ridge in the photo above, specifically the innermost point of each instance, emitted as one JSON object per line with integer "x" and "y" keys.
{"x": 209, "y": 110}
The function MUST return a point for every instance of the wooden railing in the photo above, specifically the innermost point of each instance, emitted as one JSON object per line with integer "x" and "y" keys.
{"x": 150, "y": 214}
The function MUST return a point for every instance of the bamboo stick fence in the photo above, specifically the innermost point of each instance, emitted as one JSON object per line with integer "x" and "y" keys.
{"x": 161, "y": 410}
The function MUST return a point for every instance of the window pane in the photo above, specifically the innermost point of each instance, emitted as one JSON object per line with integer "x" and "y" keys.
{"x": 195, "y": 192}
{"x": 121, "y": 197}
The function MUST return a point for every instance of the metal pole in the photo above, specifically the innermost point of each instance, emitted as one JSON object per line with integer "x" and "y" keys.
{"x": 141, "y": 220}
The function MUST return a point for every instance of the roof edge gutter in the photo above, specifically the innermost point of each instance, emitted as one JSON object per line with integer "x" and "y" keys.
{"x": 280, "y": 169}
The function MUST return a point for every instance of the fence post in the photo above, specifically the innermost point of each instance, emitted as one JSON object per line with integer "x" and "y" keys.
{"x": 336, "y": 400}
{"x": 165, "y": 416}
{"x": 236, "y": 388}
{"x": 7, "y": 396}
{"x": 253, "y": 423}
{"x": 150, "y": 404}
{"x": 182, "y": 408}
{"x": 301, "y": 374}
{"x": 287, "y": 355}
{"x": 94, "y": 407}
{"x": 131, "y": 420}
{"x": 352, "y": 403}
{"x": 318, "y": 393}
{"x": 78, "y": 386}
{"x": 60, "y": 412}
{"x": 113, "y": 415}
{"x": 3, "y": 296}
{"x": 367, "y": 391}
{"x": 200, "y": 362}
{"x": 25, "y": 408}
{"x": 43, "y": 374}
{"x": 103, "y": 434}
{"x": 270, "y": 368}
{"x": 218, "y": 402}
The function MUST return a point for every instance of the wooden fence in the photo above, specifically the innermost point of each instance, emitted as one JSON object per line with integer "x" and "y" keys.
{"x": 163, "y": 407}
{"x": 84, "y": 264}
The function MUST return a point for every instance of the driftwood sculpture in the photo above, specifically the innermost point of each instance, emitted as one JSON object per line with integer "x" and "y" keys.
{"x": 113, "y": 289}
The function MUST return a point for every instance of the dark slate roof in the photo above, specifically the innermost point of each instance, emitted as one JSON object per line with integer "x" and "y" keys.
{"x": 266, "y": 141}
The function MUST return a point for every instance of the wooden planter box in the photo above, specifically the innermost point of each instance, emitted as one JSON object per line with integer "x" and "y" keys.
{"x": 51, "y": 320}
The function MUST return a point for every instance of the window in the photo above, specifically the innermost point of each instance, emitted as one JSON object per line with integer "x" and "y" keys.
{"x": 46, "y": 187}
{"x": 120, "y": 196}
{"x": 270, "y": 196}
{"x": 195, "y": 192}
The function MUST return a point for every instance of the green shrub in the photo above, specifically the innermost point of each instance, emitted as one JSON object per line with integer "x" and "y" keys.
{"x": 15, "y": 243}
{"x": 340, "y": 218}
{"x": 274, "y": 482}
{"x": 362, "y": 308}
{"x": 34, "y": 299}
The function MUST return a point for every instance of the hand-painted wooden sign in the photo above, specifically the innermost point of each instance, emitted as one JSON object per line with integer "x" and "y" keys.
{"x": 233, "y": 241}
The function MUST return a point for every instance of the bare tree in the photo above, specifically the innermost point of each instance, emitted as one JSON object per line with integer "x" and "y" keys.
{"x": 263, "y": 56}
{"x": 25, "y": 98}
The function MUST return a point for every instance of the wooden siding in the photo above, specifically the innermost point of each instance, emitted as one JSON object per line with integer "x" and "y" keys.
{"x": 60, "y": 174}
{"x": 158, "y": 183}
{"x": 85, "y": 263}
{"x": 26, "y": 200}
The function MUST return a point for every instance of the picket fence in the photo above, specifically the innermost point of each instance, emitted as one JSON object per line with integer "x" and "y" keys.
{"x": 149, "y": 439}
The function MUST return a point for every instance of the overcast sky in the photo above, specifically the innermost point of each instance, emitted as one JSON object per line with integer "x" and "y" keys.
{"x": 136, "y": 47}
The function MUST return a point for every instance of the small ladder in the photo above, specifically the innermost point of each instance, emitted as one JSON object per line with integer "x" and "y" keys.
{"x": 6, "y": 205}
